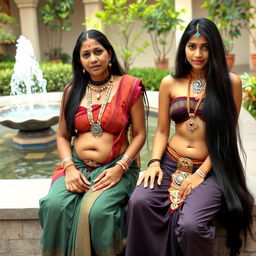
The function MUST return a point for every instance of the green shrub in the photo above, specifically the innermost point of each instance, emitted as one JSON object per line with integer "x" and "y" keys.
{"x": 6, "y": 57}
{"x": 56, "y": 74}
{"x": 5, "y": 79}
{"x": 249, "y": 93}
{"x": 59, "y": 74}
{"x": 151, "y": 77}
{"x": 6, "y": 65}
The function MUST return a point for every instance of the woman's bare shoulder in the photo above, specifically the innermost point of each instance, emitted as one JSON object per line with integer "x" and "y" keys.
{"x": 169, "y": 81}
{"x": 235, "y": 80}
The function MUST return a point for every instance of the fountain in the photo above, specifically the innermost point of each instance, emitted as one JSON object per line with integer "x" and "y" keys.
{"x": 29, "y": 108}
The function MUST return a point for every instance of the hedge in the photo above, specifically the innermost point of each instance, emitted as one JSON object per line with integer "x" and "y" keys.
{"x": 151, "y": 77}
{"x": 59, "y": 74}
{"x": 56, "y": 74}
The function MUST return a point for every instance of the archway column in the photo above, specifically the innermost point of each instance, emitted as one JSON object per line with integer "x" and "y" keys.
{"x": 29, "y": 23}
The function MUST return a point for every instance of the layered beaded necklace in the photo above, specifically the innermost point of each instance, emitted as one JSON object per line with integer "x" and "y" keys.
{"x": 192, "y": 123}
{"x": 96, "y": 129}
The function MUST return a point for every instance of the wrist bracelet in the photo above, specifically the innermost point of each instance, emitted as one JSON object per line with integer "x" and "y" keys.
{"x": 128, "y": 158}
{"x": 71, "y": 164}
{"x": 200, "y": 173}
{"x": 122, "y": 165}
{"x": 153, "y": 160}
{"x": 66, "y": 160}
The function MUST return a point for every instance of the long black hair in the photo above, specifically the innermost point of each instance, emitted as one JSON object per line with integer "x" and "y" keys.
{"x": 222, "y": 133}
{"x": 81, "y": 77}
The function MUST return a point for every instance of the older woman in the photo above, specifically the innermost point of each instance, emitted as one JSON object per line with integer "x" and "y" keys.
{"x": 83, "y": 213}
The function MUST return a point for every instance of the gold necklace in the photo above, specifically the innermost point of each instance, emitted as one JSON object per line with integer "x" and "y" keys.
{"x": 99, "y": 90}
{"x": 191, "y": 123}
{"x": 96, "y": 129}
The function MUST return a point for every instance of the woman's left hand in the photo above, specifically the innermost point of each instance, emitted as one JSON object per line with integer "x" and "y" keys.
{"x": 108, "y": 178}
{"x": 190, "y": 183}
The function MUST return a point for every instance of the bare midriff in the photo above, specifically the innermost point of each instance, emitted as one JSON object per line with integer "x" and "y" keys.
{"x": 190, "y": 144}
{"x": 96, "y": 149}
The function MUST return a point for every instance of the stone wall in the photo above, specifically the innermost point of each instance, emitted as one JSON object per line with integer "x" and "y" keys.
{"x": 20, "y": 237}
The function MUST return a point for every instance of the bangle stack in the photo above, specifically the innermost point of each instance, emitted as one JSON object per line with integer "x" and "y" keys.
{"x": 65, "y": 161}
{"x": 200, "y": 173}
{"x": 153, "y": 160}
{"x": 123, "y": 165}
{"x": 128, "y": 158}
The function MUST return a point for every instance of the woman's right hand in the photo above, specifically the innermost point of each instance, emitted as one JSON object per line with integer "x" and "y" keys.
{"x": 149, "y": 176}
{"x": 76, "y": 181}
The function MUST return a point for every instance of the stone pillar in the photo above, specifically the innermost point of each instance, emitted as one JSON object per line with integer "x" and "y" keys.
{"x": 29, "y": 23}
{"x": 252, "y": 48}
{"x": 90, "y": 7}
{"x": 187, "y": 16}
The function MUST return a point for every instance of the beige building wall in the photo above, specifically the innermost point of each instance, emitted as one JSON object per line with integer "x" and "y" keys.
{"x": 68, "y": 37}
{"x": 242, "y": 47}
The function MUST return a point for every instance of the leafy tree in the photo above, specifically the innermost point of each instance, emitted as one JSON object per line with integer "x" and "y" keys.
{"x": 230, "y": 16}
{"x": 124, "y": 17}
{"x": 6, "y": 36}
{"x": 161, "y": 21}
{"x": 55, "y": 15}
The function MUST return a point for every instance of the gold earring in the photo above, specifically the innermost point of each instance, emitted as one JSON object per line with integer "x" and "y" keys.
{"x": 83, "y": 70}
{"x": 110, "y": 64}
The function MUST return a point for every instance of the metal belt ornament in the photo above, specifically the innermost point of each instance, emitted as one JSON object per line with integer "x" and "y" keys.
{"x": 184, "y": 169}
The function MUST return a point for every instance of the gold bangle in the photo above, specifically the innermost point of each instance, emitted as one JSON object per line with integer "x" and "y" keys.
{"x": 71, "y": 164}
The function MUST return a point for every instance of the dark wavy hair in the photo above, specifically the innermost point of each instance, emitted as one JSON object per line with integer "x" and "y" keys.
{"x": 222, "y": 134}
{"x": 80, "y": 79}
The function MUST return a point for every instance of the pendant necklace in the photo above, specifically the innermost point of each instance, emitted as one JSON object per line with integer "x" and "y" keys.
{"x": 98, "y": 90}
{"x": 192, "y": 123}
{"x": 198, "y": 86}
{"x": 96, "y": 129}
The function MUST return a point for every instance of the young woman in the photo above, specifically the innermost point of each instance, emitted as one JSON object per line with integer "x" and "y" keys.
{"x": 83, "y": 213}
{"x": 197, "y": 172}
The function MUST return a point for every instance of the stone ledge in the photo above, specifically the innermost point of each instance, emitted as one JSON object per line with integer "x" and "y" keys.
{"x": 19, "y": 199}
{"x": 19, "y": 202}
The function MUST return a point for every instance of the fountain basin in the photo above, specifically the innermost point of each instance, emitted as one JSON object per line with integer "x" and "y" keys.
{"x": 42, "y": 117}
{"x": 33, "y": 116}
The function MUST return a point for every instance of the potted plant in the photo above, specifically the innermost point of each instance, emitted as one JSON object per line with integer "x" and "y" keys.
{"x": 249, "y": 93}
{"x": 161, "y": 20}
{"x": 6, "y": 35}
{"x": 54, "y": 15}
{"x": 230, "y": 16}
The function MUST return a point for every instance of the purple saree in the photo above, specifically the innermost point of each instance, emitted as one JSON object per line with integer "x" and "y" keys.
{"x": 153, "y": 231}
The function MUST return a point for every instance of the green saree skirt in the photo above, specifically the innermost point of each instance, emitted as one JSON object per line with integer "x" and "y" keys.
{"x": 88, "y": 224}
